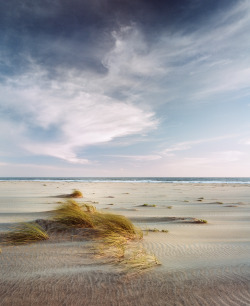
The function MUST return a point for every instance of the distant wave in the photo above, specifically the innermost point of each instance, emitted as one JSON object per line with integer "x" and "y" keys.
{"x": 196, "y": 180}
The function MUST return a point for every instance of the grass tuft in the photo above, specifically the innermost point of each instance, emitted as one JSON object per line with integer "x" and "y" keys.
{"x": 114, "y": 234}
{"x": 155, "y": 230}
{"x": 201, "y": 221}
{"x": 139, "y": 261}
{"x": 26, "y": 233}
{"x": 164, "y": 231}
{"x": 111, "y": 223}
{"x": 72, "y": 214}
{"x": 149, "y": 205}
{"x": 117, "y": 237}
{"x": 112, "y": 246}
{"x": 76, "y": 194}
{"x": 88, "y": 208}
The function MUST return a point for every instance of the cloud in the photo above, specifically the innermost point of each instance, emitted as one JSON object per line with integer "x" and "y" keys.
{"x": 70, "y": 83}
{"x": 62, "y": 116}
{"x": 204, "y": 63}
{"x": 245, "y": 141}
{"x": 131, "y": 56}
{"x": 180, "y": 65}
{"x": 182, "y": 146}
{"x": 186, "y": 145}
{"x": 223, "y": 157}
{"x": 140, "y": 158}
{"x": 4, "y": 164}
{"x": 70, "y": 120}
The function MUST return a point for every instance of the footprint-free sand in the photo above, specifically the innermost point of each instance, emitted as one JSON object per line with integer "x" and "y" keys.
{"x": 201, "y": 264}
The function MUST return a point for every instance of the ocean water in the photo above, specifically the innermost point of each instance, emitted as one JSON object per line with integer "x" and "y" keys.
{"x": 218, "y": 180}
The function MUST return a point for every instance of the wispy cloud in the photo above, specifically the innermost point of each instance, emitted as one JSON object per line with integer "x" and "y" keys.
{"x": 204, "y": 63}
{"x": 216, "y": 158}
{"x": 186, "y": 145}
{"x": 71, "y": 120}
{"x": 245, "y": 141}
{"x": 140, "y": 158}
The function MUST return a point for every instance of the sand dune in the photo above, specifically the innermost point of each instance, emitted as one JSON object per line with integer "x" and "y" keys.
{"x": 202, "y": 264}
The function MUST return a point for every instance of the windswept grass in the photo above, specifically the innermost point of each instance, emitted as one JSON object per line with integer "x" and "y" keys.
{"x": 200, "y": 221}
{"x": 26, "y": 233}
{"x": 76, "y": 194}
{"x": 149, "y": 205}
{"x": 112, "y": 246}
{"x": 114, "y": 234}
{"x": 119, "y": 241}
{"x": 111, "y": 223}
{"x": 88, "y": 208}
{"x": 73, "y": 215}
{"x": 139, "y": 261}
{"x": 156, "y": 230}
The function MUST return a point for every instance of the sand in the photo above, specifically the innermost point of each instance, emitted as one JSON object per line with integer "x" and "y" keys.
{"x": 202, "y": 264}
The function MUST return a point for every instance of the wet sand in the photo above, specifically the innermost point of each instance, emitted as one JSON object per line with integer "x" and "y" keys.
{"x": 202, "y": 264}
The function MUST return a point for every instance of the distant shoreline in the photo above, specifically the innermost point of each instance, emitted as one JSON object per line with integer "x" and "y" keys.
{"x": 184, "y": 180}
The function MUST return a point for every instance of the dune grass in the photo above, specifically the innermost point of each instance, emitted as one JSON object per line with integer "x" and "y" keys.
{"x": 155, "y": 230}
{"x": 109, "y": 223}
{"x": 148, "y": 205}
{"x": 118, "y": 242}
{"x": 116, "y": 236}
{"x": 138, "y": 261}
{"x": 76, "y": 214}
{"x": 115, "y": 233}
{"x": 76, "y": 194}
{"x": 26, "y": 233}
{"x": 88, "y": 208}
{"x": 200, "y": 221}
{"x": 112, "y": 246}
{"x": 73, "y": 215}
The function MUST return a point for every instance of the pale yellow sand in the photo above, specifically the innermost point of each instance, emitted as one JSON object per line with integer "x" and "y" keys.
{"x": 202, "y": 264}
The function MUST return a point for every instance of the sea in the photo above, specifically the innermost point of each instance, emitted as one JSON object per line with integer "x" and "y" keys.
{"x": 167, "y": 180}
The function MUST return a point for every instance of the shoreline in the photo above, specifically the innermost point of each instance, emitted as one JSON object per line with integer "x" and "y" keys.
{"x": 167, "y": 180}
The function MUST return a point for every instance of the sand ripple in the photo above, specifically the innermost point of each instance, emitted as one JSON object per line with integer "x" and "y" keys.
{"x": 65, "y": 274}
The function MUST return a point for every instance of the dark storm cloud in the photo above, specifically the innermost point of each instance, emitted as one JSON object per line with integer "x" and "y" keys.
{"x": 76, "y": 34}
{"x": 59, "y": 33}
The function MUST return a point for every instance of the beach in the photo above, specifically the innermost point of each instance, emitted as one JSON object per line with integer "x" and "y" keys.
{"x": 201, "y": 263}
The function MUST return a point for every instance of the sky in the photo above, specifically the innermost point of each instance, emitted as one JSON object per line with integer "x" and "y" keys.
{"x": 125, "y": 88}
